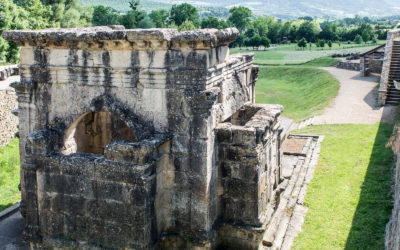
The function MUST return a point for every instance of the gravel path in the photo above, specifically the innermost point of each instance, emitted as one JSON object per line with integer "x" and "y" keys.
{"x": 6, "y": 83}
{"x": 356, "y": 101}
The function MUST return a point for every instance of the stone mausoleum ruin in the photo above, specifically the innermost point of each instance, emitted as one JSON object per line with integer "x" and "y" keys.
{"x": 144, "y": 139}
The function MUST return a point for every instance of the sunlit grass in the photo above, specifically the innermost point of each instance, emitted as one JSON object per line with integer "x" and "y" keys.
{"x": 303, "y": 91}
{"x": 288, "y": 54}
{"x": 9, "y": 174}
{"x": 349, "y": 198}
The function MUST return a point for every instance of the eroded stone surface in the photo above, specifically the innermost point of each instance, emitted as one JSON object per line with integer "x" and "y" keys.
{"x": 200, "y": 153}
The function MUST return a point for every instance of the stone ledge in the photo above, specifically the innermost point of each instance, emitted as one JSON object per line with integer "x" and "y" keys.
{"x": 8, "y": 211}
{"x": 210, "y": 37}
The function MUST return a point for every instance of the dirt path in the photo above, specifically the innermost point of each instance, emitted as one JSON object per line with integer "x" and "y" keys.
{"x": 356, "y": 101}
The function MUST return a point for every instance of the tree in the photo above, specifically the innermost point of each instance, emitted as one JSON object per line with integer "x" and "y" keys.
{"x": 358, "y": 39}
{"x": 321, "y": 43}
{"x": 264, "y": 41}
{"x": 306, "y": 18}
{"x": 365, "y": 36}
{"x": 292, "y": 33}
{"x": 15, "y": 17}
{"x": 261, "y": 26}
{"x": 302, "y": 43}
{"x": 159, "y": 18}
{"x": 240, "y": 17}
{"x": 329, "y": 32}
{"x": 330, "y": 44}
{"x": 146, "y": 23}
{"x": 284, "y": 32}
{"x": 250, "y": 32}
{"x": 239, "y": 42}
{"x": 187, "y": 25}
{"x": 308, "y": 30}
{"x": 274, "y": 28}
{"x": 182, "y": 12}
{"x": 38, "y": 13}
{"x": 104, "y": 16}
{"x": 254, "y": 42}
{"x": 134, "y": 16}
{"x": 68, "y": 13}
{"x": 212, "y": 22}
{"x": 374, "y": 40}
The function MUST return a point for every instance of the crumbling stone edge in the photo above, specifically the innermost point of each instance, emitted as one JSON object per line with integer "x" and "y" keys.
{"x": 9, "y": 211}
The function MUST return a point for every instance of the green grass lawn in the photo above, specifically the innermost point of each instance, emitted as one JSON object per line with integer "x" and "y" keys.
{"x": 349, "y": 198}
{"x": 303, "y": 91}
{"x": 9, "y": 174}
{"x": 287, "y": 54}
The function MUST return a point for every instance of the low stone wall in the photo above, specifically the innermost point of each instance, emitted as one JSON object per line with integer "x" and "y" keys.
{"x": 356, "y": 66}
{"x": 8, "y": 121}
{"x": 392, "y": 239}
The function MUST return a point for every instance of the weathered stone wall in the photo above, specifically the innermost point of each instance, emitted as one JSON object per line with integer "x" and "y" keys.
{"x": 349, "y": 65}
{"x": 171, "y": 90}
{"x": 392, "y": 35}
{"x": 375, "y": 66}
{"x": 249, "y": 163}
{"x": 371, "y": 64}
{"x": 392, "y": 239}
{"x": 8, "y": 121}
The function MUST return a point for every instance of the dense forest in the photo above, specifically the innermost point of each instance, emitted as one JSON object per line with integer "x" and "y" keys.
{"x": 255, "y": 31}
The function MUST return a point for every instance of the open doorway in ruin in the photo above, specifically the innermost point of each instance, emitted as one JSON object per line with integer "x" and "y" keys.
{"x": 92, "y": 131}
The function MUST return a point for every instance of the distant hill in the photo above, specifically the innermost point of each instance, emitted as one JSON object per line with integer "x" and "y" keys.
{"x": 279, "y": 8}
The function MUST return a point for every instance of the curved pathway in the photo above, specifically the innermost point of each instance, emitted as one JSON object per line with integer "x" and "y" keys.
{"x": 356, "y": 101}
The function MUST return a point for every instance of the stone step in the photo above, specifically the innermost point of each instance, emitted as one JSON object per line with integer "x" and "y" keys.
{"x": 392, "y": 102}
{"x": 395, "y": 103}
{"x": 269, "y": 235}
{"x": 306, "y": 123}
{"x": 289, "y": 216}
{"x": 292, "y": 201}
{"x": 394, "y": 94}
{"x": 297, "y": 219}
{"x": 392, "y": 98}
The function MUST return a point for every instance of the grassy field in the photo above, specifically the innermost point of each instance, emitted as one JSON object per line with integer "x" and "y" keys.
{"x": 286, "y": 54}
{"x": 304, "y": 91}
{"x": 349, "y": 198}
{"x": 9, "y": 175}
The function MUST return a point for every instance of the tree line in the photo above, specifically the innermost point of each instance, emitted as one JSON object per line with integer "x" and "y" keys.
{"x": 254, "y": 31}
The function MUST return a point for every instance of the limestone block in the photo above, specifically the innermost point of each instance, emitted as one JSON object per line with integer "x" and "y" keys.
{"x": 26, "y": 55}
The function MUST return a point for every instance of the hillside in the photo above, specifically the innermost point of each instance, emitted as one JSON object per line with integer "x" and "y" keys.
{"x": 279, "y": 8}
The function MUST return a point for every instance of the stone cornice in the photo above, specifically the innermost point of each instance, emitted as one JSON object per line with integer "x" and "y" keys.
{"x": 196, "y": 39}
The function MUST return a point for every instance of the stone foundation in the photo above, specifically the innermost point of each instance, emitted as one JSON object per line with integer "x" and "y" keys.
{"x": 8, "y": 121}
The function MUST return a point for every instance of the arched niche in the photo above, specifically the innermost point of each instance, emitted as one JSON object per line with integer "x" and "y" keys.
{"x": 92, "y": 131}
